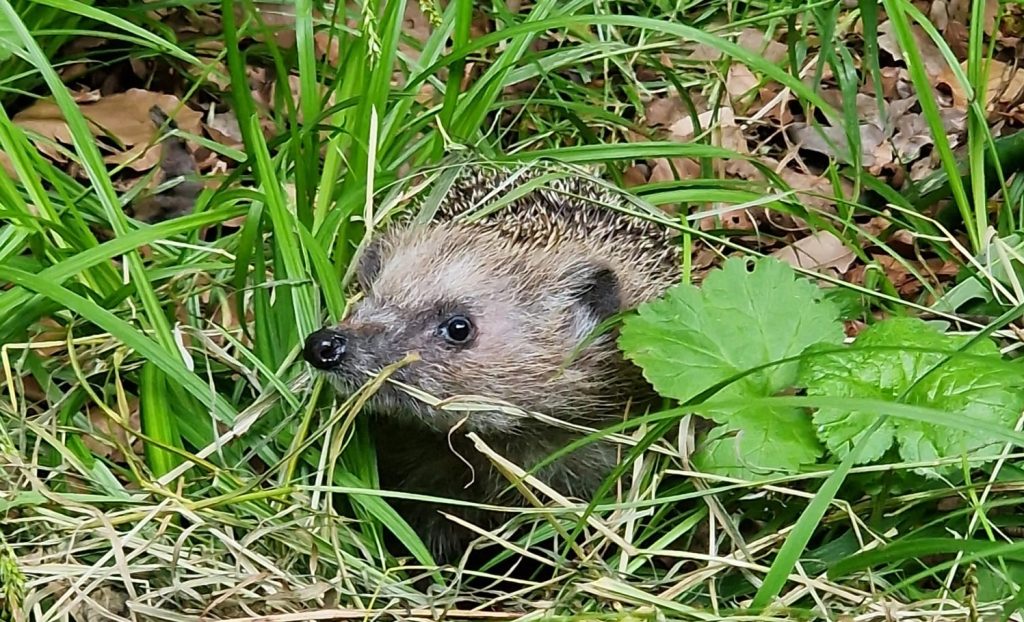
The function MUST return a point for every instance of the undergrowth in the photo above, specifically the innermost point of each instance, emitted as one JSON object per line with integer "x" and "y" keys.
{"x": 166, "y": 454}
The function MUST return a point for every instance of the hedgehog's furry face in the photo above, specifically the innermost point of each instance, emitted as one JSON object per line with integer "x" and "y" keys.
{"x": 487, "y": 319}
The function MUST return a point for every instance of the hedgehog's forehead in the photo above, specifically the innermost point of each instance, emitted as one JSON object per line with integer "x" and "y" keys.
{"x": 439, "y": 264}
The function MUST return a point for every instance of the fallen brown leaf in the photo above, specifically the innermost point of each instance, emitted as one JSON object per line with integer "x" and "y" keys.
{"x": 123, "y": 117}
{"x": 223, "y": 127}
{"x": 636, "y": 175}
{"x": 821, "y": 252}
{"x": 868, "y": 111}
{"x": 896, "y": 84}
{"x": 751, "y": 39}
{"x": 895, "y": 269}
{"x": 938, "y": 14}
{"x": 957, "y": 36}
{"x": 676, "y": 169}
{"x": 52, "y": 331}
{"x": 278, "y": 18}
{"x": 813, "y": 191}
{"x": 754, "y": 40}
{"x": 1005, "y": 85}
{"x": 114, "y": 431}
{"x": 740, "y": 83}
{"x": 875, "y": 151}
{"x": 934, "y": 63}
{"x": 736, "y": 219}
{"x": 912, "y": 135}
{"x": 664, "y": 111}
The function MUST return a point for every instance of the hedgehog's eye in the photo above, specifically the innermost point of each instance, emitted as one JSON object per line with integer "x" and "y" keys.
{"x": 456, "y": 330}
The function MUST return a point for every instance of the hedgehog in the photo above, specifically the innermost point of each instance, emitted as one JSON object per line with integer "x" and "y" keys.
{"x": 504, "y": 305}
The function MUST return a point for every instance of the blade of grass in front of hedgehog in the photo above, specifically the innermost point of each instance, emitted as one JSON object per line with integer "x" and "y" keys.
{"x": 590, "y": 154}
{"x": 581, "y": 109}
{"x": 354, "y": 466}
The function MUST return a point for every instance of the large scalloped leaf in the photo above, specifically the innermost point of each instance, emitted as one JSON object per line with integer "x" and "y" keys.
{"x": 757, "y": 442}
{"x": 748, "y": 314}
{"x": 889, "y": 361}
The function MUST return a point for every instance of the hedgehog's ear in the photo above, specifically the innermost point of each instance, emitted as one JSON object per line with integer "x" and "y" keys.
{"x": 595, "y": 289}
{"x": 369, "y": 263}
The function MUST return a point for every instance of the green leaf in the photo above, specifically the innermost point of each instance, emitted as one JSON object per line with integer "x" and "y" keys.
{"x": 756, "y": 439}
{"x": 893, "y": 361}
{"x": 746, "y": 316}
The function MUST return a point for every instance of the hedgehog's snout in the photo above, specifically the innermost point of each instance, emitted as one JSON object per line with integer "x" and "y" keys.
{"x": 325, "y": 348}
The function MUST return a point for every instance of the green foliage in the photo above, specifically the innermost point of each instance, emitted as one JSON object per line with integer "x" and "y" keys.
{"x": 740, "y": 321}
{"x": 906, "y": 360}
{"x": 754, "y": 333}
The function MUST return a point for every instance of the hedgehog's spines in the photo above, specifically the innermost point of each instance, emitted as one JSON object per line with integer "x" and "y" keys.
{"x": 567, "y": 206}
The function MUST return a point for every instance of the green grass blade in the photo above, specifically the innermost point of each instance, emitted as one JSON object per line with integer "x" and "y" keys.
{"x": 796, "y": 542}
{"x": 915, "y": 548}
{"x": 14, "y": 301}
{"x": 92, "y": 162}
{"x": 285, "y": 238}
{"x": 170, "y": 364}
{"x": 158, "y": 421}
{"x": 683, "y": 32}
{"x": 106, "y": 17}
{"x": 896, "y": 10}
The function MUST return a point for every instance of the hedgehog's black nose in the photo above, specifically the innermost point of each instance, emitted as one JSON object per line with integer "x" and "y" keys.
{"x": 325, "y": 348}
